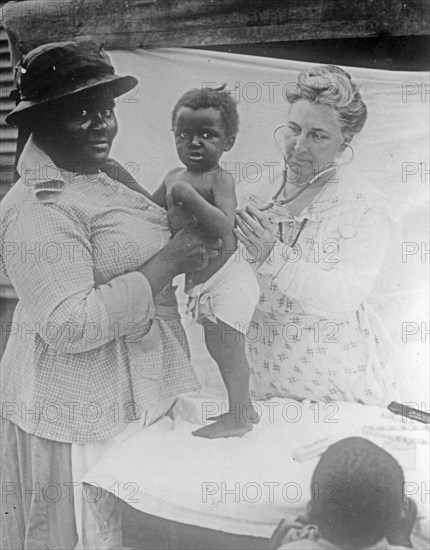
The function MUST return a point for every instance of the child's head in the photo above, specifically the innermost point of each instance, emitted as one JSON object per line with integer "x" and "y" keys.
{"x": 357, "y": 493}
{"x": 205, "y": 123}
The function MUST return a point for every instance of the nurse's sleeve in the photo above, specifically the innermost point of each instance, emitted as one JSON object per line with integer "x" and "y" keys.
{"x": 339, "y": 279}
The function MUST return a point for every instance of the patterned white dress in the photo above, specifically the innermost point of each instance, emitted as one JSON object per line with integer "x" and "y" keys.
{"x": 313, "y": 335}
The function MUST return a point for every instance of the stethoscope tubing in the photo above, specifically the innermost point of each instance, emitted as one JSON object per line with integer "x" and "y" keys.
{"x": 283, "y": 202}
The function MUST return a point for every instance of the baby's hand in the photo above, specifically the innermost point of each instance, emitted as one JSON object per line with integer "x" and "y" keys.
{"x": 402, "y": 530}
{"x": 178, "y": 192}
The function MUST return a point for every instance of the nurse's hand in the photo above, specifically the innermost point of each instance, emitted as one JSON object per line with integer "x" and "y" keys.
{"x": 254, "y": 230}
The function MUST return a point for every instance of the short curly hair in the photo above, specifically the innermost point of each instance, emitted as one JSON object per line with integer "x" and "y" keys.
{"x": 331, "y": 85}
{"x": 357, "y": 492}
{"x": 205, "y": 98}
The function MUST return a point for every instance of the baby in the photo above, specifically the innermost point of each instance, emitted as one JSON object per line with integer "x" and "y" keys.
{"x": 357, "y": 501}
{"x": 224, "y": 294}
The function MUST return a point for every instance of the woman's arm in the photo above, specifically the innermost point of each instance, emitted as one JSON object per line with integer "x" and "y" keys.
{"x": 337, "y": 282}
{"x": 159, "y": 196}
{"x": 118, "y": 173}
{"x": 51, "y": 270}
{"x": 217, "y": 218}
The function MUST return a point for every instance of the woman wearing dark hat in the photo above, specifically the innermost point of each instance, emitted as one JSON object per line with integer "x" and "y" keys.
{"x": 96, "y": 348}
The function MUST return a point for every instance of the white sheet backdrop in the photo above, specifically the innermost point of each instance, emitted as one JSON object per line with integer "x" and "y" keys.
{"x": 392, "y": 152}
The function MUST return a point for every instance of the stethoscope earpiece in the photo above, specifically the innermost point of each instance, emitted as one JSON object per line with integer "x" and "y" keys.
{"x": 274, "y": 134}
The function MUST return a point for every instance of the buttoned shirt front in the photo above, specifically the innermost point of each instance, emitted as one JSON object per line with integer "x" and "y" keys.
{"x": 75, "y": 368}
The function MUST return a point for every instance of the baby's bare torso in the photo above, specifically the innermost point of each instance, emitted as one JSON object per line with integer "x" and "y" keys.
{"x": 180, "y": 216}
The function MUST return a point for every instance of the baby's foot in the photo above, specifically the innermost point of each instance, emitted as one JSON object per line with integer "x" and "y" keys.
{"x": 226, "y": 428}
{"x": 249, "y": 414}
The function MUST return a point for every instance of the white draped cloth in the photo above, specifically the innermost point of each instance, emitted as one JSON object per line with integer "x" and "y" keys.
{"x": 189, "y": 479}
{"x": 391, "y": 152}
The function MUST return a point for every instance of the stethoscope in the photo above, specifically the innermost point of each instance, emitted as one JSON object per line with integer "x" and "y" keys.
{"x": 274, "y": 201}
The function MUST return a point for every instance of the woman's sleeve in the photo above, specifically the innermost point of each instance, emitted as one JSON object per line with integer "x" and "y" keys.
{"x": 339, "y": 274}
{"x": 49, "y": 263}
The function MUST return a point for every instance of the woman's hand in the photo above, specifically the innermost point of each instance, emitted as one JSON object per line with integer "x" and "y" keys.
{"x": 188, "y": 250}
{"x": 254, "y": 230}
{"x": 191, "y": 249}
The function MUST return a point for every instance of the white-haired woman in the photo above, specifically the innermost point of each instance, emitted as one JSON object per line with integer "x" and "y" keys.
{"x": 317, "y": 242}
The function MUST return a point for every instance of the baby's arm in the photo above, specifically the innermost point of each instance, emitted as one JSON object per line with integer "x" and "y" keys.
{"x": 160, "y": 194}
{"x": 219, "y": 218}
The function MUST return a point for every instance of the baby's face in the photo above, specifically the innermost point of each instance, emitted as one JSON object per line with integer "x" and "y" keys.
{"x": 201, "y": 138}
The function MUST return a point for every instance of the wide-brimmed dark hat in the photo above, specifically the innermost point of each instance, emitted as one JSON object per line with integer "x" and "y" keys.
{"x": 61, "y": 69}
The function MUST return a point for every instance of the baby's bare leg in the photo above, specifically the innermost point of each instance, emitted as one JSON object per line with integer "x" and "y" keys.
{"x": 227, "y": 347}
